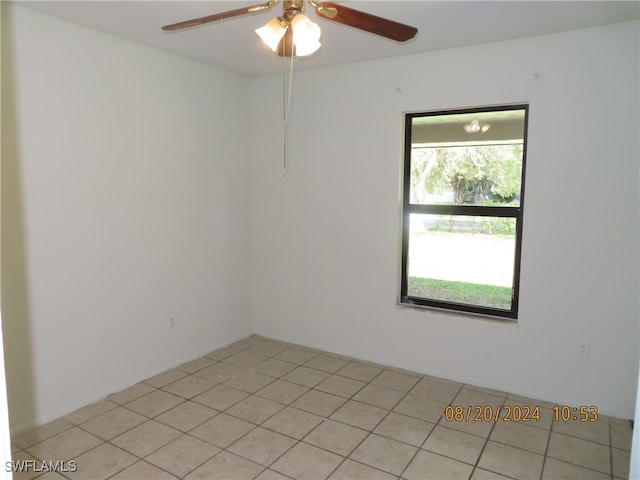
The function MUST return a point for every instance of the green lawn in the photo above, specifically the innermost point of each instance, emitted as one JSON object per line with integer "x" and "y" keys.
{"x": 461, "y": 292}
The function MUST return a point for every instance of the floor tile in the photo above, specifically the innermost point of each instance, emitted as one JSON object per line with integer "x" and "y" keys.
{"x": 245, "y": 360}
{"x": 268, "y": 349}
{"x": 282, "y": 391}
{"x": 350, "y": 470}
{"x": 481, "y": 474}
{"x": 113, "y": 423}
{"x": 511, "y": 461}
{"x": 64, "y": 446}
{"x": 360, "y": 371}
{"x": 293, "y": 422}
{"x": 306, "y": 462}
{"x": 255, "y": 409}
{"x": 430, "y": 466}
{"x": 101, "y": 463}
{"x": 189, "y": 386}
{"x": 336, "y": 437}
{"x": 296, "y": 355}
{"x": 475, "y": 398}
{"x": 145, "y": 438}
{"x": 38, "y": 434}
{"x": 47, "y": 476}
{"x": 404, "y": 429}
{"x": 341, "y": 386}
{"x": 488, "y": 391}
{"x": 90, "y": 411}
{"x": 221, "y": 353}
{"x": 271, "y": 475}
{"x": 433, "y": 390}
{"x": 182, "y": 455}
{"x": 420, "y": 407}
{"x": 379, "y": 396}
{"x": 580, "y": 452}
{"x": 222, "y": 430}
{"x": 359, "y": 415}
{"x": 480, "y": 429}
{"x": 219, "y": 372}
{"x": 246, "y": 343}
{"x": 384, "y": 454}
{"x": 513, "y": 399}
{"x": 274, "y": 368}
{"x": 143, "y": 471}
{"x": 320, "y": 403}
{"x": 556, "y": 469}
{"x": 129, "y": 394}
{"x": 154, "y": 403}
{"x": 326, "y": 363}
{"x": 620, "y": 460}
{"x": 197, "y": 364}
{"x": 165, "y": 378}
{"x": 443, "y": 381}
{"x": 186, "y": 416}
{"x": 621, "y": 434}
{"x": 262, "y": 446}
{"x": 521, "y": 436}
{"x": 226, "y": 466}
{"x": 396, "y": 380}
{"x": 593, "y": 431}
{"x": 457, "y": 445}
{"x": 220, "y": 397}
{"x": 305, "y": 376}
{"x": 249, "y": 382}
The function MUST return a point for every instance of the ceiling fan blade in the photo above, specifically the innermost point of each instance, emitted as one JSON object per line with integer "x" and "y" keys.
{"x": 365, "y": 21}
{"x": 219, "y": 16}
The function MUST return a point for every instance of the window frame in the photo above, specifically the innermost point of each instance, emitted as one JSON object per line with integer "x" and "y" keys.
{"x": 409, "y": 208}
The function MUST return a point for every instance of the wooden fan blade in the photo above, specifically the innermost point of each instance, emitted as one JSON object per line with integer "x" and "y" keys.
{"x": 218, "y": 16}
{"x": 367, "y": 22}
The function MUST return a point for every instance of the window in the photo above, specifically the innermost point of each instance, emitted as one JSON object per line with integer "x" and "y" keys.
{"x": 463, "y": 195}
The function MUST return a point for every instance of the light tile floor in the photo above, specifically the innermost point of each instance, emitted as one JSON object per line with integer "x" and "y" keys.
{"x": 268, "y": 410}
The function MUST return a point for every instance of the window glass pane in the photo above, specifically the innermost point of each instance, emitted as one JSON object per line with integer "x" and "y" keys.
{"x": 466, "y": 175}
{"x": 472, "y": 158}
{"x": 462, "y": 259}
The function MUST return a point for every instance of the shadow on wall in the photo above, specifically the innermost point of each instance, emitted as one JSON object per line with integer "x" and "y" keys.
{"x": 16, "y": 316}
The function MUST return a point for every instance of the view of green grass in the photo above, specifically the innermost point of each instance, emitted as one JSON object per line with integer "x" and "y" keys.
{"x": 461, "y": 292}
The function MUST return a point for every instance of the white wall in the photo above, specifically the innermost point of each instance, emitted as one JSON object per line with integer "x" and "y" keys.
{"x": 326, "y": 241}
{"x": 125, "y": 202}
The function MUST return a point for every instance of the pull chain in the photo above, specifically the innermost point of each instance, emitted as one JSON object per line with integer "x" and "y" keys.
{"x": 286, "y": 99}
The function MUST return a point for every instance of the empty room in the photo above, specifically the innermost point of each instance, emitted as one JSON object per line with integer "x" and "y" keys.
{"x": 314, "y": 240}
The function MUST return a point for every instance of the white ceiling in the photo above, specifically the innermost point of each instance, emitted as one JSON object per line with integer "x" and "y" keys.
{"x": 234, "y": 46}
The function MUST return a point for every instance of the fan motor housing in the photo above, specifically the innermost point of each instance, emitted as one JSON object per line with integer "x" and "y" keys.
{"x": 297, "y": 5}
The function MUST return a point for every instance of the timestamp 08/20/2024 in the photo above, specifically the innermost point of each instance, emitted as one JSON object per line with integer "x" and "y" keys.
{"x": 519, "y": 413}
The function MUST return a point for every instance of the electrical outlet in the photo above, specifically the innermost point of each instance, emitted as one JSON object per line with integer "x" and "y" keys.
{"x": 172, "y": 323}
{"x": 583, "y": 350}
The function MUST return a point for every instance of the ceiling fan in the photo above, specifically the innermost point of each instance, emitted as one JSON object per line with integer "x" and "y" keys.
{"x": 292, "y": 33}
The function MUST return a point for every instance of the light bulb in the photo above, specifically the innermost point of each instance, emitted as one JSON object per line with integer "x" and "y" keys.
{"x": 306, "y": 35}
{"x": 272, "y": 32}
{"x": 472, "y": 127}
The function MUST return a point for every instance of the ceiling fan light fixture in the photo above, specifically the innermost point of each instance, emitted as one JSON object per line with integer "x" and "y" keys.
{"x": 272, "y": 32}
{"x": 475, "y": 127}
{"x": 306, "y": 35}
{"x": 472, "y": 127}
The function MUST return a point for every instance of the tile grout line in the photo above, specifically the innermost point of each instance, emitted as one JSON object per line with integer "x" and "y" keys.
{"x": 486, "y": 442}
{"x": 370, "y": 432}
